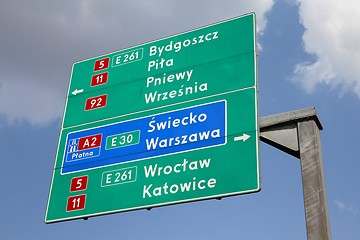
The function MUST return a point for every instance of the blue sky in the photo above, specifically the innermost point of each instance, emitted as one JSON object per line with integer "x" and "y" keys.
{"x": 308, "y": 58}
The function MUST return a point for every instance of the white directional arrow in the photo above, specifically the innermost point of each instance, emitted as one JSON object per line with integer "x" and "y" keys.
{"x": 243, "y": 138}
{"x": 76, "y": 91}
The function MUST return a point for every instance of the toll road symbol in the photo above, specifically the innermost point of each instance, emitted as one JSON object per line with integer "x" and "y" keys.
{"x": 83, "y": 148}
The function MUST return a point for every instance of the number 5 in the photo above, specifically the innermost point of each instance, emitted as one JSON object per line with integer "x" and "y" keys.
{"x": 101, "y": 64}
{"x": 78, "y": 183}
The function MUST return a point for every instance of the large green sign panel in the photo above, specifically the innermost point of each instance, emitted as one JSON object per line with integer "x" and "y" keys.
{"x": 170, "y": 121}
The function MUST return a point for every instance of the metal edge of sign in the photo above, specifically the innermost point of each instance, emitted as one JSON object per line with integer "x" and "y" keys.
{"x": 256, "y": 104}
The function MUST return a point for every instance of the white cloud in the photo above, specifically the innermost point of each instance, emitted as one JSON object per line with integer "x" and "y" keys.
{"x": 261, "y": 8}
{"x": 41, "y": 40}
{"x": 344, "y": 207}
{"x": 332, "y": 36}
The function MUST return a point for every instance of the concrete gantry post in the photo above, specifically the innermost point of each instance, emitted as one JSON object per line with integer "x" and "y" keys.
{"x": 298, "y": 134}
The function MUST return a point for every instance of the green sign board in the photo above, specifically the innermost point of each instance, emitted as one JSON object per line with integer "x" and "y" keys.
{"x": 170, "y": 121}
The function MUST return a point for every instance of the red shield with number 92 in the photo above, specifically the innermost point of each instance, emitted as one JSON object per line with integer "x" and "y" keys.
{"x": 96, "y": 102}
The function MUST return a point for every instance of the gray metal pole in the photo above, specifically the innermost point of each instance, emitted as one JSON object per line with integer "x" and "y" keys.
{"x": 298, "y": 134}
{"x": 316, "y": 210}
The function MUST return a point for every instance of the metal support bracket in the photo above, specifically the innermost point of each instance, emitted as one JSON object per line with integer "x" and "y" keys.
{"x": 298, "y": 134}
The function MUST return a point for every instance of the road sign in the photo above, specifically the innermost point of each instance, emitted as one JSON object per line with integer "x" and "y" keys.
{"x": 170, "y": 121}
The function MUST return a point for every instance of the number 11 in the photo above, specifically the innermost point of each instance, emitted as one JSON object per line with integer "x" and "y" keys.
{"x": 76, "y": 203}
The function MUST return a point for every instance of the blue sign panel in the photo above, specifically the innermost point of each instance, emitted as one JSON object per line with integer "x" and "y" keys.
{"x": 187, "y": 129}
